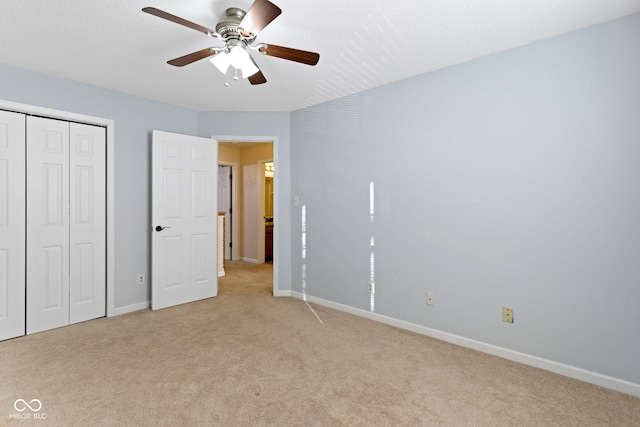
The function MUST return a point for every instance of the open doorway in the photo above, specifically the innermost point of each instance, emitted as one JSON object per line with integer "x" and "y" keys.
{"x": 248, "y": 198}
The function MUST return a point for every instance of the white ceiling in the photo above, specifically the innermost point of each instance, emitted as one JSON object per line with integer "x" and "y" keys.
{"x": 362, "y": 43}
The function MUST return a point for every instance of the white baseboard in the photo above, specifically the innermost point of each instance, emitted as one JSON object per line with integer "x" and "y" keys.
{"x": 282, "y": 293}
{"x": 131, "y": 308}
{"x": 549, "y": 365}
{"x": 251, "y": 260}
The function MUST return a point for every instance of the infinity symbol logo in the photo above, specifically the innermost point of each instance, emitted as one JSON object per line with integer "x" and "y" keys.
{"x": 21, "y": 405}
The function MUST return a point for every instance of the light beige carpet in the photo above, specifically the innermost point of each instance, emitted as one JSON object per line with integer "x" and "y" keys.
{"x": 246, "y": 358}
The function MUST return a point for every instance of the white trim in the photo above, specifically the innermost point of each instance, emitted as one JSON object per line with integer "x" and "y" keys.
{"x": 111, "y": 222}
{"x": 131, "y": 308}
{"x": 284, "y": 294}
{"x": 111, "y": 233}
{"x": 234, "y": 204}
{"x": 526, "y": 359}
{"x": 251, "y": 260}
{"x": 276, "y": 199}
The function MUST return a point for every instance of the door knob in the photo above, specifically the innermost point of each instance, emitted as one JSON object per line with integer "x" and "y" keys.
{"x": 160, "y": 228}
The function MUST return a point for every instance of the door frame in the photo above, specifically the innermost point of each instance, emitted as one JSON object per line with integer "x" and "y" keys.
{"x": 276, "y": 194}
{"x": 110, "y": 127}
{"x": 234, "y": 213}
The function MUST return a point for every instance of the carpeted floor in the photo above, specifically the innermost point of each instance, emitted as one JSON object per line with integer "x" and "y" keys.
{"x": 246, "y": 358}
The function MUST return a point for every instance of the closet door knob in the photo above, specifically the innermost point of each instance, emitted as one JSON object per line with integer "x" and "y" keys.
{"x": 160, "y": 228}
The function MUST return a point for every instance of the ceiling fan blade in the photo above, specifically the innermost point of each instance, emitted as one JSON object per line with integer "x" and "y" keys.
{"x": 193, "y": 57}
{"x": 302, "y": 56}
{"x": 259, "y": 15}
{"x": 257, "y": 78}
{"x": 169, "y": 17}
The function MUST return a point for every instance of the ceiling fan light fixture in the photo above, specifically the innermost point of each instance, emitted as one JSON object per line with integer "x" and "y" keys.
{"x": 221, "y": 61}
{"x": 249, "y": 69}
{"x": 239, "y": 58}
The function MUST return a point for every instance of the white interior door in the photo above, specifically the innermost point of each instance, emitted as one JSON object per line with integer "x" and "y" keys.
{"x": 224, "y": 205}
{"x": 184, "y": 219}
{"x": 47, "y": 224}
{"x": 12, "y": 224}
{"x": 87, "y": 222}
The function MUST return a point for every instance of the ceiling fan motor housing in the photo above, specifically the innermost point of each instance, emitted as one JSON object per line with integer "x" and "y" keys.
{"x": 228, "y": 26}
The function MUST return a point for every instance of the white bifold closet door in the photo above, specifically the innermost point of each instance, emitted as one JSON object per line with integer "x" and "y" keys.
{"x": 12, "y": 224}
{"x": 66, "y": 223}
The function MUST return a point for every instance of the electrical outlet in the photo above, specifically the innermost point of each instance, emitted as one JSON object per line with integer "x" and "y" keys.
{"x": 140, "y": 279}
{"x": 431, "y": 298}
{"x": 507, "y": 314}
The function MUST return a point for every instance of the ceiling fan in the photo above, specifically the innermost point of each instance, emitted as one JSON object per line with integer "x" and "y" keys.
{"x": 238, "y": 29}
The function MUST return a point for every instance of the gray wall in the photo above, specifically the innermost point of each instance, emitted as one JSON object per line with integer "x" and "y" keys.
{"x": 259, "y": 124}
{"x": 509, "y": 180}
{"x": 134, "y": 118}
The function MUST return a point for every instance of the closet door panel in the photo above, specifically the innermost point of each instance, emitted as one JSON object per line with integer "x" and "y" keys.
{"x": 47, "y": 251}
{"x": 12, "y": 224}
{"x": 87, "y": 222}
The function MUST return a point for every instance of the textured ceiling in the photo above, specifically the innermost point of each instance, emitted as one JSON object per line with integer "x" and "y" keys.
{"x": 362, "y": 44}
